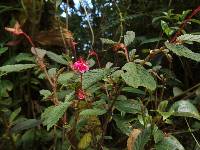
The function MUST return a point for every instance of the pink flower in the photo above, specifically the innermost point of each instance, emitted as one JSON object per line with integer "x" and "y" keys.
{"x": 80, "y": 66}
{"x": 81, "y": 94}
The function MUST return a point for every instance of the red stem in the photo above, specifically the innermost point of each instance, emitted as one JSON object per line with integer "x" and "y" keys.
{"x": 184, "y": 23}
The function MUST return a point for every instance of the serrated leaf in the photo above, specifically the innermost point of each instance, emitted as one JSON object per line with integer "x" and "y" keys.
{"x": 107, "y": 41}
{"x": 189, "y": 37}
{"x": 123, "y": 124}
{"x": 64, "y": 77}
{"x": 135, "y": 75}
{"x": 92, "y": 112}
{"x": 57, "y": 58}
{"x": 129, "y": 37}
{"x": 69, "y": 96}
{"x": 169, "y": 143}
{"x": 93, "y": 76}
{"x": 24, "y": 57}
{"x": 128, "y": 106}
{"x": 14, "y": 114}
{"x": 85, "y": 141}
{"x": 185, "y": 108}
{"x": 27, "y": 124}
{"x": 181, "y": 50}
{"x": 142, "y": 139}
{"x": 16, "y": 68}
{"x": 52, "y": 114}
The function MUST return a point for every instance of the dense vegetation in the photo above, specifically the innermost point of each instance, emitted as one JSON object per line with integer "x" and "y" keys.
{"x": 100, "y": 74}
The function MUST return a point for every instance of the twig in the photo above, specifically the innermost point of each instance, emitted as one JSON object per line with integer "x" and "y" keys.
{"x": 192, "y": 133}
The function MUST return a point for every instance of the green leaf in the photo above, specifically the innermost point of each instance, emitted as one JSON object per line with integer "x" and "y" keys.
{"x": 123, "y": 124}
{"x": 135, "y": 75}
{"x": 57, "y": 58}
{"x": 92, "y": 112}
{"x": 181, "y": 50}
{"x": 16, "y": 68}
{"x": 52, "y": 114}
{"x": 69, "y": 96}
{"x": 65, "y": 77}
{"x": 3, "y": 50}
{"x": 52, "y": 72}
{"x": 5, "y": 87}
{"x": 128, "y": 106}
{"x": 189, "y": 37}
{"x": 169, "y": 143}
{"x": 185, "y": 108}
{"x": 168, "y": 31}
{"x": 27, "y": 124}
{"x": 163, "y": 105}
{"x": 107, "y": 41}
{"x": 142, "y": 139}
{"x": 93, "y": 76}
{"x": 45, "y": 93}
{"x": 158, "y": 135}
{"x": 24, "y": 57}
{"x": 38, "y": 52}
{"x": 152, "y": 40}
{"x": 85, "y": 141}
{"x": 129, "y": 37}
{"x": 14, "y": 114}
{"x": 133, "y": 90}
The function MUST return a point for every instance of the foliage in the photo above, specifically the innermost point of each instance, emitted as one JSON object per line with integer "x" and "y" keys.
{"x": 142, "y": 83}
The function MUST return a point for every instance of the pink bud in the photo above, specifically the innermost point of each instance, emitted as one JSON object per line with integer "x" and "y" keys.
{"x": 81, "y": 94}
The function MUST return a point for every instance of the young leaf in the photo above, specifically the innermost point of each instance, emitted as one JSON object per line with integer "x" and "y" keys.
{"x": 52, "y": 114}
{"x": 185, "y": 108}
{"x": 168, "y": 31}
{"x": 181, "y": 50}
{"x": 85, "y": 141}
{"x": 45, "y": 93}
{"x": 169, "y": 143}
{"x": 135, "y": 75}
{"x": 129, "y": 37}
